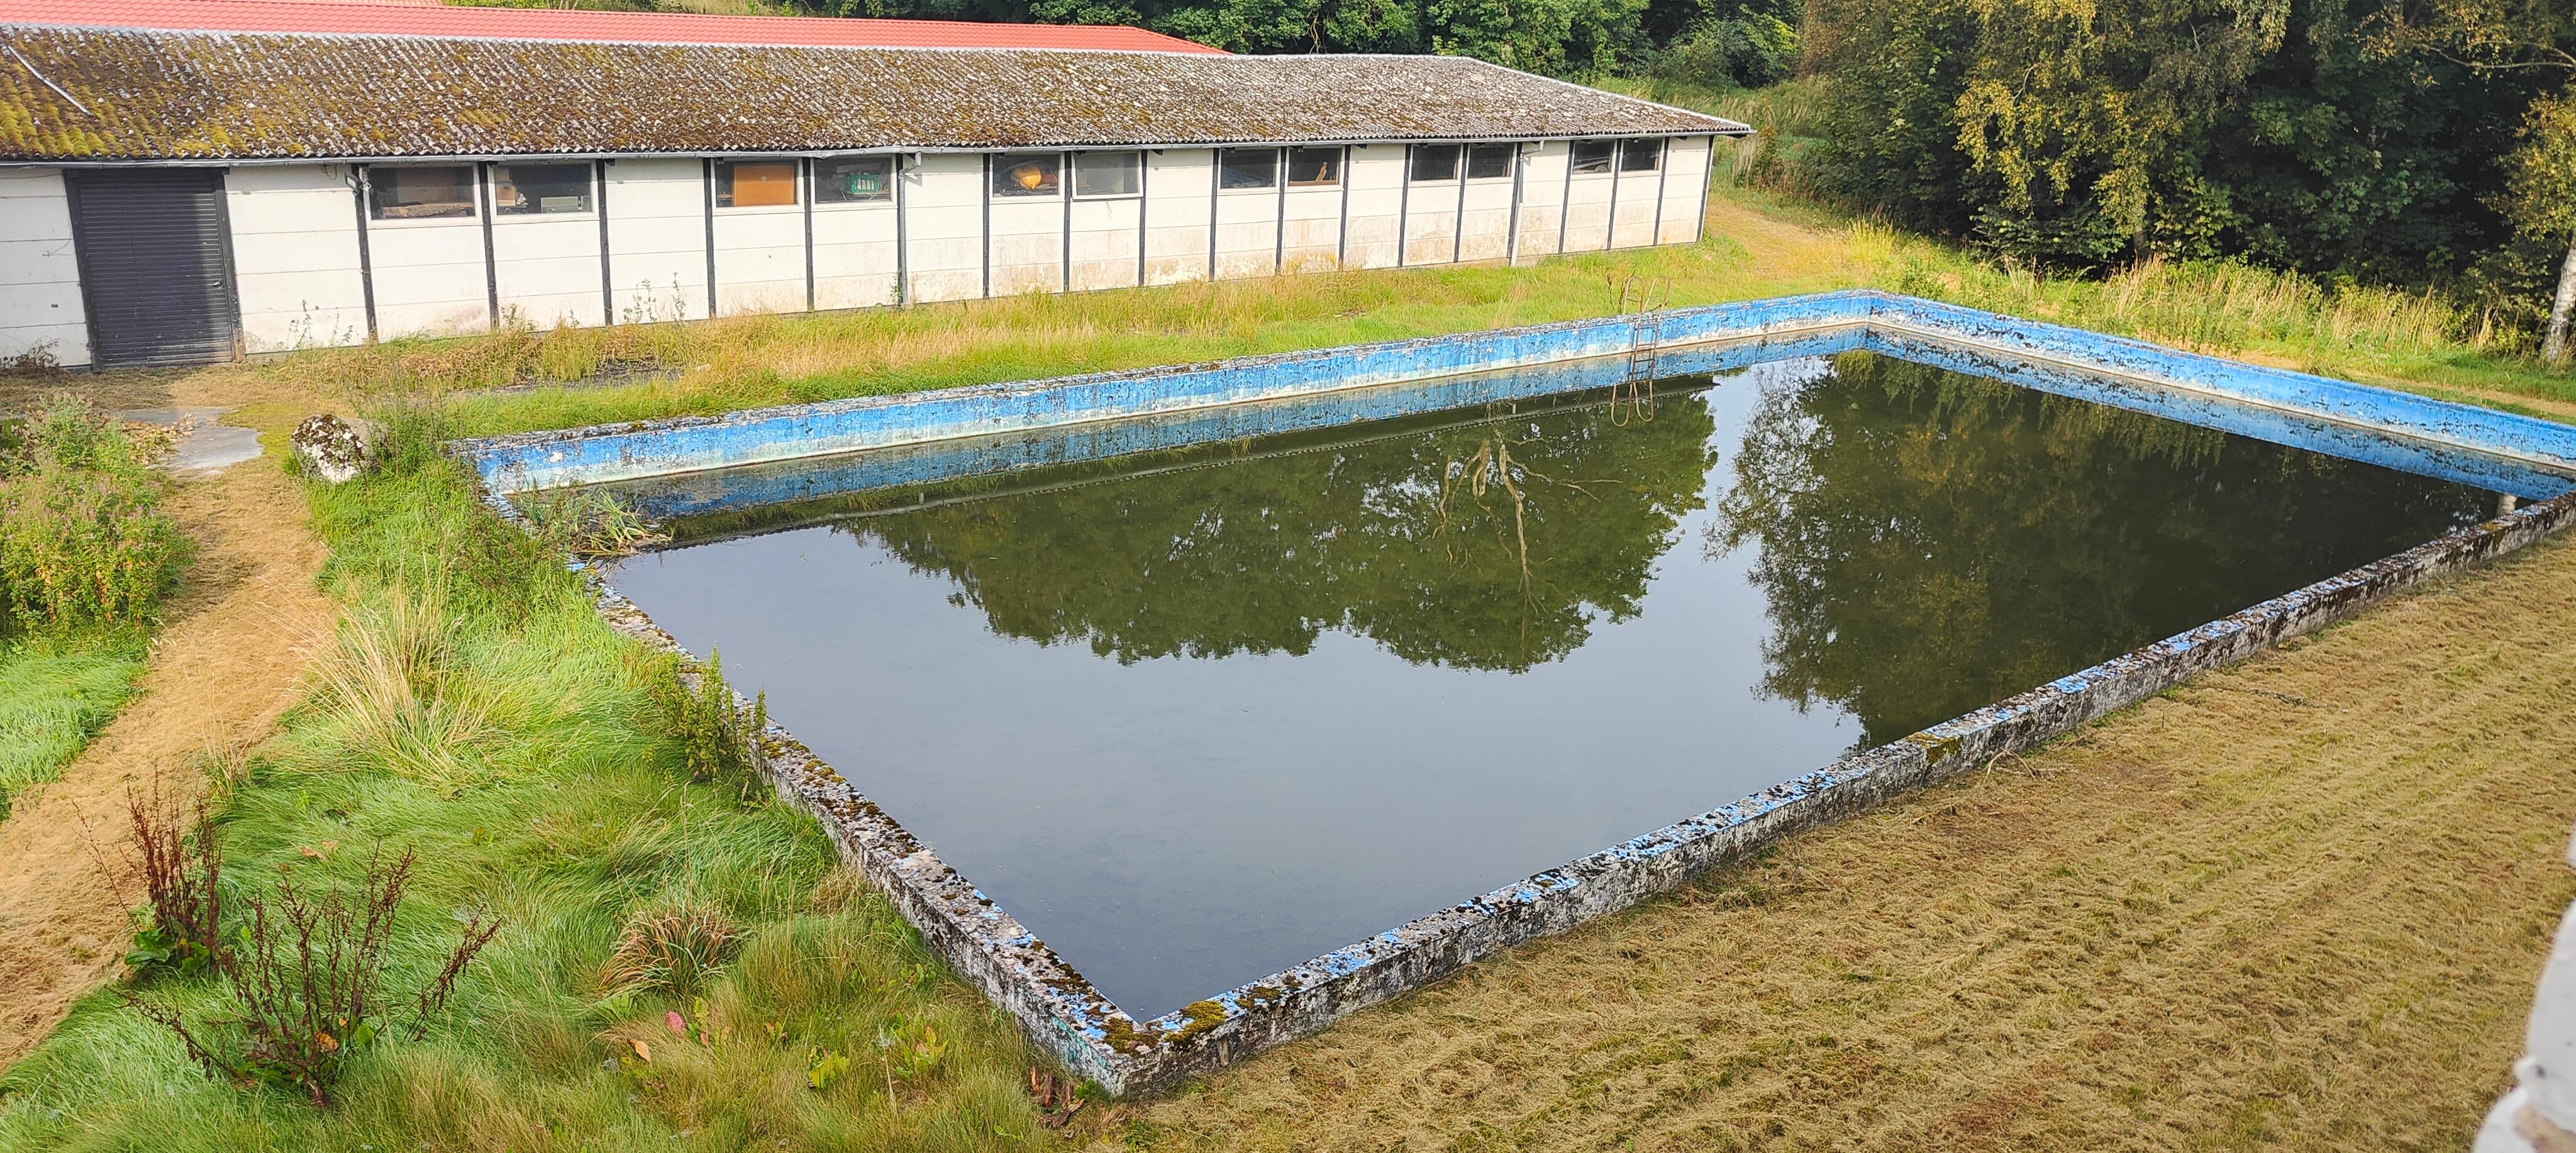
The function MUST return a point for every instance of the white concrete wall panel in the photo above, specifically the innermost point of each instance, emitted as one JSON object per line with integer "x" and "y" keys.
{"x": 1635, "y": 227}
{"x": 1587, "y": 212}
{"x": 40, "y": 301}
{"x": 944, "y": 226}
{"x": 547, "y": 268}
{"x": 1377, "y": 200}
{"x": 1485, "y": 232}
{"x": 1542, "y": 192}
{"x": 1105, "y": 240}
{"x": 429, "y": 276}
{"x": 760, "y": 259}
{"x": 295, "y": 256}
{"x": 1431, "y": 223}
{"x": 1247, "y": 232}
{"x": 854, "y": 255}
{"x": 1177, "y": 186}
{"x": 1314, "y": 229}
{"x": 657, "y": 240}
{"x": 1028, "y": 244}
{"x": 1682, "y": 187}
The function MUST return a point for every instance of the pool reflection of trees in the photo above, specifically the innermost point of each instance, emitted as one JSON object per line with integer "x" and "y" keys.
{"x": 1932, "y": 542}
{"x": 1927, "y": 542}
{"x": 1492, "y": 546}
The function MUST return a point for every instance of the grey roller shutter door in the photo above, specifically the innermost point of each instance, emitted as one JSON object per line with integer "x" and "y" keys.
{"x": 155, "y": 265}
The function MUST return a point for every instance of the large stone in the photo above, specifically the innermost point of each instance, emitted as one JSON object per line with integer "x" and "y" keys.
{"x": 330, "y": 448}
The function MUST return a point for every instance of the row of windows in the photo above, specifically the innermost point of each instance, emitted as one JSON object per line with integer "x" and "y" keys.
{"x": 446, "y": 190}
{"x": 432, "y": 191}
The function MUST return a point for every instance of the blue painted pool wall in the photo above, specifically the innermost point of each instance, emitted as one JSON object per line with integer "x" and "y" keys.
{"x": 789, "y": 481}
{"x": 584, "y": 456}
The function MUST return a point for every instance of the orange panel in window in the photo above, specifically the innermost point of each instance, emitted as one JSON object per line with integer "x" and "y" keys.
{"x": 761, "y": 185}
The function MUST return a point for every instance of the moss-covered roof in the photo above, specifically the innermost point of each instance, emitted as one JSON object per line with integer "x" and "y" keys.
{"x": 126, "y": 94}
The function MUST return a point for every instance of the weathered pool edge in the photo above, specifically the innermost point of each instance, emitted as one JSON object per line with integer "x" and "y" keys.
{"x": 525, "y": 461}
{"x": 1064, "y": 1014}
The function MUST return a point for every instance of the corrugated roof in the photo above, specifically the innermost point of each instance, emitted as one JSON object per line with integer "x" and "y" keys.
{"x": 92, "y": 94}
{"x": 399, "y": 19}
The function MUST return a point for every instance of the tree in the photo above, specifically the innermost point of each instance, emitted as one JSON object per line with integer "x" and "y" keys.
{"x": 2540, "y": 197}
{"x": 2298, "y": 133}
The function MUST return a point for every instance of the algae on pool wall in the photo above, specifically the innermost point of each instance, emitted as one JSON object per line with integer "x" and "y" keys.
{"x": 1198, "y": 716}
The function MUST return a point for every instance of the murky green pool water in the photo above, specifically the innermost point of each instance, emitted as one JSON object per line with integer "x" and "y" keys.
{"x": 1194, "y": 717}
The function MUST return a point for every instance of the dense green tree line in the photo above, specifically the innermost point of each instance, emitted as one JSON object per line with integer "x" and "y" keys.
{"x": 1720, "y": 42}
{"x": 2368, "y": 138}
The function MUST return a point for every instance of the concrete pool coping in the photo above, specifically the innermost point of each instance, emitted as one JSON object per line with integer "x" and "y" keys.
{"x": 1063, "y": 1013}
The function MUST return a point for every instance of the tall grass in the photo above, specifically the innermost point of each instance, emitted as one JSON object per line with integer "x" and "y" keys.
{"x": 572, "y": 820}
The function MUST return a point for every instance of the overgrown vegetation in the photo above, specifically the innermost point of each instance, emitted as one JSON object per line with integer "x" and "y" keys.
{"x": 681, "y": 968}
{"x": 86, "y": 554}
{"x": 83, "y": 540}
{"x": 685, "y": 964}
{"x": 56, "y": 692}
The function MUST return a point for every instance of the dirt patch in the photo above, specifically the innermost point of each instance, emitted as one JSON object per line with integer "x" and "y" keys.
{"x": 223, "y": 667}
{"x": 2297, "y": 904}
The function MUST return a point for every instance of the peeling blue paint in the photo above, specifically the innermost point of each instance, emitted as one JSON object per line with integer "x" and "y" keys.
{"x": 1226, "y": 399}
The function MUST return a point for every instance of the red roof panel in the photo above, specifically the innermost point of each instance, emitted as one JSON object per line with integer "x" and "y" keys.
{"x": 401, "y": 18}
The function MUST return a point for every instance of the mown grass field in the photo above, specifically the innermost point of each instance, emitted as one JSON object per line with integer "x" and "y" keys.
{"x": 2308, "y": 900}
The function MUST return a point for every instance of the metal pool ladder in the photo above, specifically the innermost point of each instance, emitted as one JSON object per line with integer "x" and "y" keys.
{"x": 1635, "y": 390}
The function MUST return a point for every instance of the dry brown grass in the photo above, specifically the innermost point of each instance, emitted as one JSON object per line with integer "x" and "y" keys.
{"x": 2297, "y": 905}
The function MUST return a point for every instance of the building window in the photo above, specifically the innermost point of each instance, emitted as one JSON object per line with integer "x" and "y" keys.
{"x": 1489, "y": 161}
{"x": 1308, "y": 167}
{"x": 755, "y": 183}
{"x": 420, "y": 193}
{"x": 857, "y": 180}
{"x": 1106, "y": 173}
{"x": 1640, "y": 155}
{"x": 1247, "y": 168}
{"x": 1028, "y": 174}
{"x": 522, "y": 189}
{"x": 1593, "y": 155}
{"x": 1435, "y": 162}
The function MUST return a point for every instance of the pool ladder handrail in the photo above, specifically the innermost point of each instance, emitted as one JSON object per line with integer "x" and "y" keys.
{"x": 1645, "y": 355}
{"x": 1645, "y": 328}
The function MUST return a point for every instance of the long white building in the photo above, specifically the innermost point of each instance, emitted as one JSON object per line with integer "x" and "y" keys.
{"x": 174, "y": 196}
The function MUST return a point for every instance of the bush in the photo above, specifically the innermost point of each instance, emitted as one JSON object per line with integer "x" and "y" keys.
{"x": 83, "y": 539}
{"x": 716, "y": 735}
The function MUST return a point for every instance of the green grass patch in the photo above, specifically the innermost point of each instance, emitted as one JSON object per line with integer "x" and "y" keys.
{"x": 477, "y": 711}
{"x": 56, "y": 692}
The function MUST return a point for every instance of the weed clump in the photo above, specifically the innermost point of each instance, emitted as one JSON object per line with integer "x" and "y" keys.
{"x": 589, "y": 524}
{"x": 83, "y": 540}
{"x": 183, "y": 879}
{"x": 717, "y": 737}
{"x": 307, "y": 975}
{"x": 388, "y": 684}
{"x": 670, "y": 950}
